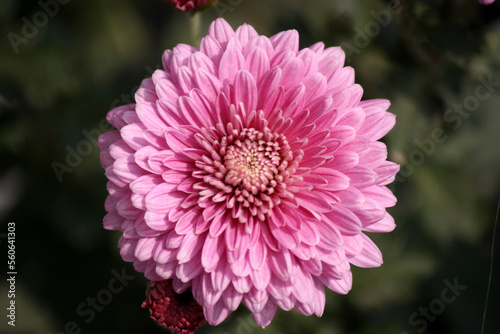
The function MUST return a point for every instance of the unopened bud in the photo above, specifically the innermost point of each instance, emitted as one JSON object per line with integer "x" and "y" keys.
{"x": 179, "y": 313}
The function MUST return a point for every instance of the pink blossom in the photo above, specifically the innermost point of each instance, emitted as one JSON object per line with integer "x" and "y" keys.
{"x": 248, "y": 171}
{"x": 486, "y": 2}
{"x": 190, "y": 5}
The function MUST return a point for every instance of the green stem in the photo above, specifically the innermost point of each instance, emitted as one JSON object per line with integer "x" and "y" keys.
{"x": 195, "y": 28}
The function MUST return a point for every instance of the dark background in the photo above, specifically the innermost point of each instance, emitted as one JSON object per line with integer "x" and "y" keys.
{"x": 58, "y": 81}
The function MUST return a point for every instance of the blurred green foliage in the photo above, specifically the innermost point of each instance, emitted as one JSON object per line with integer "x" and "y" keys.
{"x": 426, "y": 56}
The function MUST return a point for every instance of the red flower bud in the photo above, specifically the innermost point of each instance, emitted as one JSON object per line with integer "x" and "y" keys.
{"x": 176, "y": 312}
{"x": 191, "y": 5}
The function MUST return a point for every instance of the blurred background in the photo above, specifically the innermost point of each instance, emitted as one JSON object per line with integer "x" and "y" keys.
{"x": 64, "y": 64}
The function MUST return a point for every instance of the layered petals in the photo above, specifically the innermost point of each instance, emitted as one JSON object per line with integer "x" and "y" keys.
{"x": 248, "y": 172}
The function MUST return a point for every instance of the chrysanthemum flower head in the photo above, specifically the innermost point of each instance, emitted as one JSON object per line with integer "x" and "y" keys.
{"x": 249, "y": 171}
{"x": 191, "y": 5}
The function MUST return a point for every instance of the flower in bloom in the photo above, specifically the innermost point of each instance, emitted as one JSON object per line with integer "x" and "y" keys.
{"x": 248, "y": 171}
{"x": 486, "y": 2}
{"x": 175, "y": 312}
{"x": 190, "y": 5}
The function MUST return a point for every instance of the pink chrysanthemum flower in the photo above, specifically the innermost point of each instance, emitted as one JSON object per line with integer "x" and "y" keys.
{"x": 248, "y": 171}
{"x": 190, "y": 5}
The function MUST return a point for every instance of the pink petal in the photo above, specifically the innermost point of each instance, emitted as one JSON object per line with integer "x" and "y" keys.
{"x": 126, "y": 169}
{"x": 157, "y": 221}
{"x": 231, "y": 62}
{"x": 258, "y": 62}
{"x": 381, "y": 194}
{"x": 309, "y": 233}
{"x": 221, "y": 277}
{"x": 292, "y": 72}
{"x": 256, "y": 300}
{"x": 126, "y": 209}
{"x": 310, "y": 61}
{"x": 115, "y": 115}
{"x": 221, "y": 31}
{"x": 315, "y": 85}
{"x": 141, "y": 158}
{"x": 351, "y": 197}
{"x": 148, "y": 114}
{"x": 335, "y": 180}
{"x": 192, "y": 112}
{"x": 245, "y": 90}
{"x": 386, "y": 172}
{"x": 279, "y": 289}
{"x": 258, "y": 255}
{"x": 281, "y": 264}
{"x": 112, "y": 221}
{"x": 213, "y": 250}
{"x": 210, "y": 295}
{"x": 145, "y": 183}
{"x": 119, "y": 149}
{"x": 144, "y": 248}
{"x": 190, "y": 247}
{"x": 361, "y": 177}
{"x": 185, "y": 80}
{"x": 343, "y": 219}
{"x": 136, "y": 136}
{"x": 231, "y": 298}
{"x": 242, "y": 284}
{"x": 187, "y": 271}
{"x": 246, "y": 33}
{"x": 199, "y": 60}
{"x": 330, "y": 234}
{"x": 104, "y": 141}
{"x": 162, "y": 255}
{"x": 286, "y": 236}
{"x": 219, "y": 224}
{"x": 286, "y": 40}
{"x": 369, "y": 257}
{"x": 187, "y": 222}
{"x": 208, "y": 83}
{"x": 294, "y": 100}
{"x": 313, "y": 201}
{"x": 303, "y": 291}
{"x": 162, "y": 198}
{"x": 342, "y": 286}
{"x": 217, "y": 313}
{"x": 211, "y": 47}
{"x": 261, "y": 277}
{"x": 384, "y": 225}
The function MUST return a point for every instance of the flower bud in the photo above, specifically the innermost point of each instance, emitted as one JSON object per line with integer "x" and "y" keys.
{"x": 191, "y": 5}
{"x": 179, "y": 313}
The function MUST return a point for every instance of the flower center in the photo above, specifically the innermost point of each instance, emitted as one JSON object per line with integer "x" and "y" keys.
{"x": 250, "y": 168}
{"x": 252, "y": 164}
